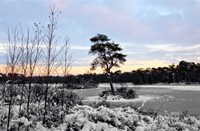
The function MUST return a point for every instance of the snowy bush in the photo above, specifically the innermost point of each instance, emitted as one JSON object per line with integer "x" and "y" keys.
{"x": 122, "y": 119}
{"x": 127, "y": 93}
{"x": 65, "y": 98}
{"x": 120, "y": 93}
{"x": 87, "y": 118}
{"x": 4, "y": 116}
{"x": 147, "y": 111}
{"x": 38, "y": 91}
{"x": 101, "y": 103}
{"x": 60, "y": 103}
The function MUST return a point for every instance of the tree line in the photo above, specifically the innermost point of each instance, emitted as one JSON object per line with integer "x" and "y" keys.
{"x": 184, "y": 72}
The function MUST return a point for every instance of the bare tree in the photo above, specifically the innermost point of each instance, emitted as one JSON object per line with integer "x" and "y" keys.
{"x": 23, "y": 67}
{"x": 33, "y": 54}
{"x": 67, "y": 58}
{"x": 51, "y": 52}
{"x": 67, "y": 66}
{"x": 13, "y": 55}
{"x": 30, "y": 52}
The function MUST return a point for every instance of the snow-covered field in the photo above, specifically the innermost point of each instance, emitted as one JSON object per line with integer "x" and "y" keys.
{"x": 165, "y": 97}
{"x": 181, "y": 87}
{"x": 87, "y": 118}
{"x": 113, "y": 99}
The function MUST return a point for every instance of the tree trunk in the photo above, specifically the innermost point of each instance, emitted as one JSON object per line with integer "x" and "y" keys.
{"x": 4, "y": 90}
{"x": 21, "y": 102}
{"x": 62, "y": 103}
{"x": 9, "y": 113}
{"x": 21, "y": 99}
{"x": 111, "y": 86}
{"x": 110, "y": 81}
{"x": 22, "y": 94}
{"x": 45, "y": 102}
{"x": 9, "y": 106}
{"x": 29, "y": 96}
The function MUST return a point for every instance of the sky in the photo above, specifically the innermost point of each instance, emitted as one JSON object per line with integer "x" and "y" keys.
{"x": 152, "y": 33}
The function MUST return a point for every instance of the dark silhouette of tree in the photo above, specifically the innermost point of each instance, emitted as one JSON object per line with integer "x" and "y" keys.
{"x": 183, "y": 70}
{"x": 108, "y": 55}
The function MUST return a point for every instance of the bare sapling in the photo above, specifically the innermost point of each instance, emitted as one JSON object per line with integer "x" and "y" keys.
{"x": 51, "y": 53}
{"x": 23, "y": 63}
{"x": 67, "y": 66}
{"x": 33, "y": 53}
{"x": 13, "y": 55}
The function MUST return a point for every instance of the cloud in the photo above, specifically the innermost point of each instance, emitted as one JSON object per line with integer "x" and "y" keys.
{"x": 2, "y": 48}
{"x": 172, "y": 47}
{"x": 174, "y": 53}
{"x": 128, "y": 20}
{"x": 146, "y": 63}
{"x": 82, "y": 61}
{"x": 79, "y": 47}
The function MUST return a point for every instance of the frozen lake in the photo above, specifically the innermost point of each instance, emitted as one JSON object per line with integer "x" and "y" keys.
{"x": 173, "y": 98}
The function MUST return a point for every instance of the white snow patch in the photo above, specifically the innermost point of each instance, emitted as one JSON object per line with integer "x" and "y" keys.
{"x": 139, "y": 128}
{"x": 186, "y": 88}
{"x": 115, "y": 85}
{"x": 140, "y": 98}
{"x": 174, "y": 87}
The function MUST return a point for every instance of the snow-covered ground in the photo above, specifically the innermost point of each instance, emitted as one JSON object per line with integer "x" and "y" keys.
{"x": 111, "y": 99}
{"x": 182, "y": 87}
{"x": 166, "y": 97}
{"x": 87, "y": 118}
{"x": 142, "y": 99}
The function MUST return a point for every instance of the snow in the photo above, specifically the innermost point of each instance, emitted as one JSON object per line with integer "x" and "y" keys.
{"x": 40, "y": 127}
{"x": 174, "y": 87}
{"x": 122, "y": 119}
{"x": 23, "y": 120}
{"x": 139, "y": 128}
{"x": 181, "y": 87}
{"x": 141, "y": 98}
{"x": 87, "y": 118}
{"x": 102, "y": 85}
{"x": 186, "y": 88}
{"x": 110, "y": 99}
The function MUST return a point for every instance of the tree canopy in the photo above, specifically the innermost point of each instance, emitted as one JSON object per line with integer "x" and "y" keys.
{"x": 108, "y": 53}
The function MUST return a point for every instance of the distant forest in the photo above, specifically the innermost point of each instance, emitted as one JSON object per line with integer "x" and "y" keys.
{"x": 184, "y": 72}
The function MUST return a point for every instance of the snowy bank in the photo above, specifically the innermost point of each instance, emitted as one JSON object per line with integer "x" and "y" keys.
{"x": 86, "y": 118}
